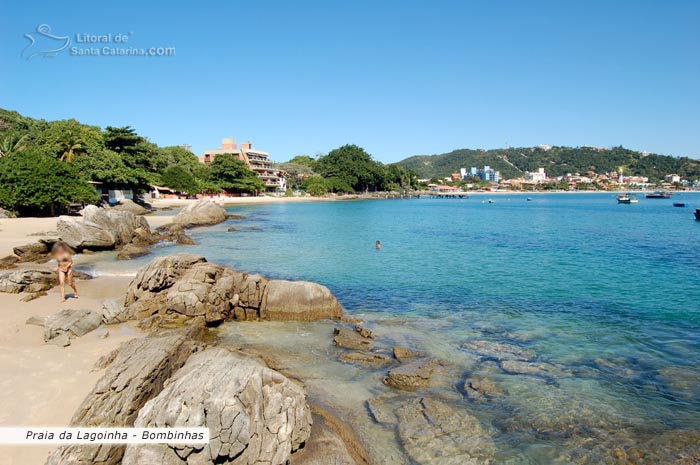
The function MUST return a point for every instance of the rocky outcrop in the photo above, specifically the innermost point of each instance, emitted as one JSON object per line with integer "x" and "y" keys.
{"x": 128, "y": 205}
{"x": 413, "y": 375}
{"x": 136, "y": 372}
{"x": 432, "y": 432}
{"x": 8, "y": 262}
{"x": 201, "y": 213}
{"x": 31, "y": 252}
{"x": 14, "y": 282}
{"x": 100, "y": 228}
{"x": 254, "y": 414}
{"x": 358, "y": 338}
{"x": 402, "y": 354}
{"x": 187, "y": 285}
{"x": 67, "y": 324}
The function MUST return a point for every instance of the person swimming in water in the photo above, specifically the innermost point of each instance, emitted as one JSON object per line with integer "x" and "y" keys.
{"x": 377, "y": 245}
{"x": 64, "y": 269}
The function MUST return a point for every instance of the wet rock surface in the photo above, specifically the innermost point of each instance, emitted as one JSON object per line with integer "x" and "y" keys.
{"x": 412, "y": 375}
{"x": 254, "y": 414}
{"x": 132, "y": 207}
{"x": 358, "y": 338}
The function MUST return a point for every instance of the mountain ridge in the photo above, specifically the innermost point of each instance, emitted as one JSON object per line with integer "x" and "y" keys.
{"x": 556, "y": 160}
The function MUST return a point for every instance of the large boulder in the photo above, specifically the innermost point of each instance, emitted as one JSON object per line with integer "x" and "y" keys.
{"x": 136, "y": 372}
{"x": 80, "y": 234}
{"x": 200, "y": 213}
{"x": 187, "y": 285}
{"x": 434, "y": 433}
{"x": 100, "y": 228}
{"x": 14, "y": 282}
{"x": 299, "y": 300}
{"x": 68, "y": 324}
{"x": 121, "y": 224}
{"x": 255, "y": 415}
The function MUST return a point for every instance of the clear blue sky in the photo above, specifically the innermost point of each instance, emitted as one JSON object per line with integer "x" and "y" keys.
{"x": 397, "y": 77}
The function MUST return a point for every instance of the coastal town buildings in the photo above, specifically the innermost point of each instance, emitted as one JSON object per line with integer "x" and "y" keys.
{"x": 672, "y": 178}
{"x": 537, "y": 176}
{"x": 257, "y": 160}
{"x": 485, "y": 174}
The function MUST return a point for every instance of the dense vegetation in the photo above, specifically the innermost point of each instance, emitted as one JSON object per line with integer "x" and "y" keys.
{"x": 46, "y": 165}
{"x": 557, "y": 161}
{"x": 346, "y": 169}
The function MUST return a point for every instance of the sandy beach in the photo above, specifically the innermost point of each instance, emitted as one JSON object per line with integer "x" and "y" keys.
{"x": 43, "y": 384}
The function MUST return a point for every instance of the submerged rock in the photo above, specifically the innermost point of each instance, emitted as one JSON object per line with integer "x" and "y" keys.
{"x": 402, "y": 353}
{"x": 413, "y": 375}
{"x": 70, "y": 324}
{"x": 136, "y": 372}
{"x": 201, "y": 213}
{"x": 434, "y": 433}
{"x": 255, "y": 415}
{"x": 477, "y": 387}
{"x": 497, "y": 350}
{"x": 367, "y": 358}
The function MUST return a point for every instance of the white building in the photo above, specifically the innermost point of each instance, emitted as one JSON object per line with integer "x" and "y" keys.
{"x": 672, "y": 178}
{"x": 537, "y": 176}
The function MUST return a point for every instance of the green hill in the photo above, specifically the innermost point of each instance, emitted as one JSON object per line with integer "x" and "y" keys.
{"x": 557, "y": 161}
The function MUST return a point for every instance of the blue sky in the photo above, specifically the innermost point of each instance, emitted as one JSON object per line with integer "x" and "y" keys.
{"x": 397, "y": 77}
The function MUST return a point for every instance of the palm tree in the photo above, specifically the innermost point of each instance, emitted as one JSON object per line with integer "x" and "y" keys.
{"x": 13, "y": 144}
{"x": 73, "y": 144}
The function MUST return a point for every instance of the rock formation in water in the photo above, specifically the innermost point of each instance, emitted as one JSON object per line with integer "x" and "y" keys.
{"x": 184, "y": 286}
{"x": 201, "y": 213}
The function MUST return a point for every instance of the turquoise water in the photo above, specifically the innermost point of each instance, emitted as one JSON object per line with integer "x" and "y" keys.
{"x": 608, "y": 293}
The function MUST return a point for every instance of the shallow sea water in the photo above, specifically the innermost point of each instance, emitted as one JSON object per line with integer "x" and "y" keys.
{"x": 606, "y": 296}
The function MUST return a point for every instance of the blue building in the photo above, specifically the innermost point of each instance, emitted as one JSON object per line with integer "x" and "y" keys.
{"x": 486, "y": 174}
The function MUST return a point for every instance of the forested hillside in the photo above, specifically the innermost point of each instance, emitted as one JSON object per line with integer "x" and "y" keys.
{"x": 513, "y": 162}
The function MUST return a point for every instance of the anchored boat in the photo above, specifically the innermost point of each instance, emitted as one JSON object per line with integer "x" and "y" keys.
{"x": 680, "y": 204}
{"x": 626, "y": 198}
{"x": 697, "y": 213}
{"x": 659, "y": 195}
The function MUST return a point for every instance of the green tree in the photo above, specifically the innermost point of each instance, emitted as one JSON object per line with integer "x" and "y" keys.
{"x": 316, "y": 186}
{"x": 304, "y": 160}
{"x": 353, "y": 167}
{"x": 33, "y": 183}
{"x": 179, "y": 179}
{"x": 233, "y": 175}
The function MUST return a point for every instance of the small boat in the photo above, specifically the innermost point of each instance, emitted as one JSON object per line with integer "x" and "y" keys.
{"x": 626, "y": 198}
{"x": 659, "y": 195}
{"x": 697, "y": 214}
{"x": 680, "y": 204}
